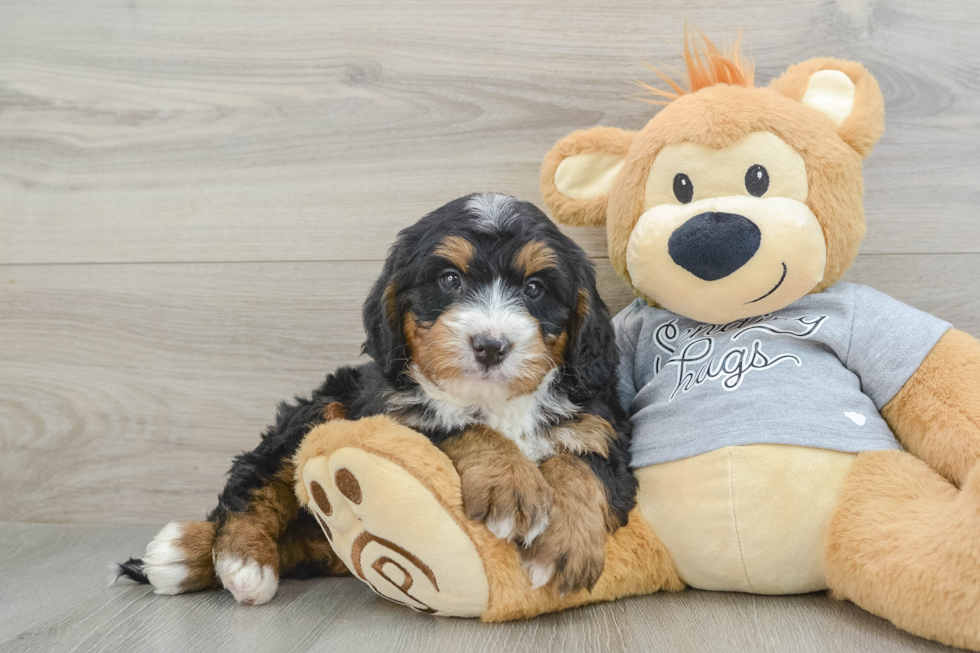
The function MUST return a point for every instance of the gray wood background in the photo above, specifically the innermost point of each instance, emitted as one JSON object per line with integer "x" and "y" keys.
{"x": 195, "y": 196}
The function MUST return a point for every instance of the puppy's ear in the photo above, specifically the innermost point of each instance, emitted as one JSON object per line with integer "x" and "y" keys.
{"x": 385, "y": 341}
{"x": 591, "y": 356}
{"x": 843, "y": 91}
{"x": 579, "y": 171}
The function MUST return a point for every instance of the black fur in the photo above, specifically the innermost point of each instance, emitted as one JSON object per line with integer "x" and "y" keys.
{"x": 133, "y": 570}
{"x": 587, "y": 376}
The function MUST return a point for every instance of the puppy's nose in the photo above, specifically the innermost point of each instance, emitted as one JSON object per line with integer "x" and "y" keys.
{"x": 713, "y": 245}
{"x": 490, "y": 350}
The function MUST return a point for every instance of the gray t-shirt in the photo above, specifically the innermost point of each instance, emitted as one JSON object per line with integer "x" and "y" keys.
{"x": 814, "y": 374}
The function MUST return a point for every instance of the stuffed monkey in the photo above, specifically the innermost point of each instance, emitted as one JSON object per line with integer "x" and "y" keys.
{"x": 791, "y": 432}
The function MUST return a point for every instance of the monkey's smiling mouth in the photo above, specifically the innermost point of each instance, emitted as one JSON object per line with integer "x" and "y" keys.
{"x": 774, "y": 288}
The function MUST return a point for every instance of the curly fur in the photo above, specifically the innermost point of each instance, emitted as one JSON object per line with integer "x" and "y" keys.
{"x": 575, "y": 336}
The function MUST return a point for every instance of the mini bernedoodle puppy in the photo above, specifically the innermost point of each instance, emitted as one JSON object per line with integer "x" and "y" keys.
{"x": 486, "y": 334}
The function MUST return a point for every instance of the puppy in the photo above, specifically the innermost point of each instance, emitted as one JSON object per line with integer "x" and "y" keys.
{"x": 485, "y": 332}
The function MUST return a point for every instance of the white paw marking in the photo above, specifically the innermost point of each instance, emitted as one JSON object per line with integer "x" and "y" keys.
{"x": 537, "y": 528}
{"x": 248, "y": 582}
{"x": 163, "y": 561}
{"x": 539, "y": 573}
{"x": 857, "y": 418}
{"x": 501, "y": 527}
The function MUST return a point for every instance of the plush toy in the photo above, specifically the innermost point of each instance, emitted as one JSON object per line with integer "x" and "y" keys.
{"x": 792, "y": 433}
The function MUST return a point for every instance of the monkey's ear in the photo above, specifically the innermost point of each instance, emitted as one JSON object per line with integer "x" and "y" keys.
{"x": 843, "y": 91}
{"x": 579, "y": 171}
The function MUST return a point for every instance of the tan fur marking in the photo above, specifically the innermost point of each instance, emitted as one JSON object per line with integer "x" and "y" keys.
{"x": 576, "y": 536}
{"x": 389, "y": 301}
{"x": 252, "y": 535}
{"x": 457, "y": 250}
{"x": 431, "y": 349}
{"x": 334, "y": 410}
{"x": 583, "y": 305}
{"x": 433, "y": 352}
{"x": 556, "y": 347}
{"x": 498, "y": 481}
{"x": 588, "y": 434}
{"x": 537, "y": 366}
{"x": 534, "y": 257}
{"x": 544, "y": 354}
{"x": 242, "y": 536}
{"x": 196, "y": 540}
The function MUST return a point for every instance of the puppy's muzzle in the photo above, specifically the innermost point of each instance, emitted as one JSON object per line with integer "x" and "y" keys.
{"x": 713, "y": 245}
{"x": 490, "y": 350}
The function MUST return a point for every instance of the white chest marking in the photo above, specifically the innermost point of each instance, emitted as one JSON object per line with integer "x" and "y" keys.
{"x": 524, "y": 420}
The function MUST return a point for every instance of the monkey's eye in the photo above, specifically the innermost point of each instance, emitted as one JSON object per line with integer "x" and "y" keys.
{"x": 683, "y": 188}
{"x": 450, "y": 281}
{"x": 757, "y": 180}
{"x": 533, "y": 289}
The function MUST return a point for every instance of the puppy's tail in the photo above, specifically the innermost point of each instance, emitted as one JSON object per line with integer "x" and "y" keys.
{"x": 177, "y": 560}
{"x": 133, "y": 570}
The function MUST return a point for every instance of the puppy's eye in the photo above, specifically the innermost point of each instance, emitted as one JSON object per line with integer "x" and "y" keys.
{"x": 757, "y": 180}
{"x": 450, "y": 281}
{"x": 533, "y": 289}
{"x": 683, "y": 188}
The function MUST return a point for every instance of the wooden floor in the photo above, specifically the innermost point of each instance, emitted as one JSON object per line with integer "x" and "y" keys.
{"x": 54, "y": 598}
{"x": 195, "y": 197}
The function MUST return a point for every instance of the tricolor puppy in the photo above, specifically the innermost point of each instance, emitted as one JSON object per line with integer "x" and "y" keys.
{"x": 486, "y": 334}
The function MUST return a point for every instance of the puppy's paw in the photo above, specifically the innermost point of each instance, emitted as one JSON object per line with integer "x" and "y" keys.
{"x": 571, "y": 553}
{"x": 539, "y": 572}
{"x": 178, "y": 559}
{"x": 246, "y": 560}
{"x": 510, "y": 496}
{"x": 248, "y": 581}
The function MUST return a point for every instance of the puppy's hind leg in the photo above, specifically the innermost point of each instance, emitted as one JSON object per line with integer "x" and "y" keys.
{"x": 246, "y": 550}
{"x": 177, "y": 560}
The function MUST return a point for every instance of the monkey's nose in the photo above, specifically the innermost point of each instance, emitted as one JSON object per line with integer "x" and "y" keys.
{"x": 490, "y": 350}
{"x": 713, "y": 245}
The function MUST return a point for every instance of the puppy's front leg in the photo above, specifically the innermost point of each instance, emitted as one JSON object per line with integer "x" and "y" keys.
{"x": 573, "y": 549}
{"x": 500, "y": 485}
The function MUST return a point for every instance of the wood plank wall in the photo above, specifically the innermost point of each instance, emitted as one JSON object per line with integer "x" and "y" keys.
{"x": 195, "y": 196}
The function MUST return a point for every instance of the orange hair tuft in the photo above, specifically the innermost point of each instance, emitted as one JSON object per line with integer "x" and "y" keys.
{"x": 706, "y": 66}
